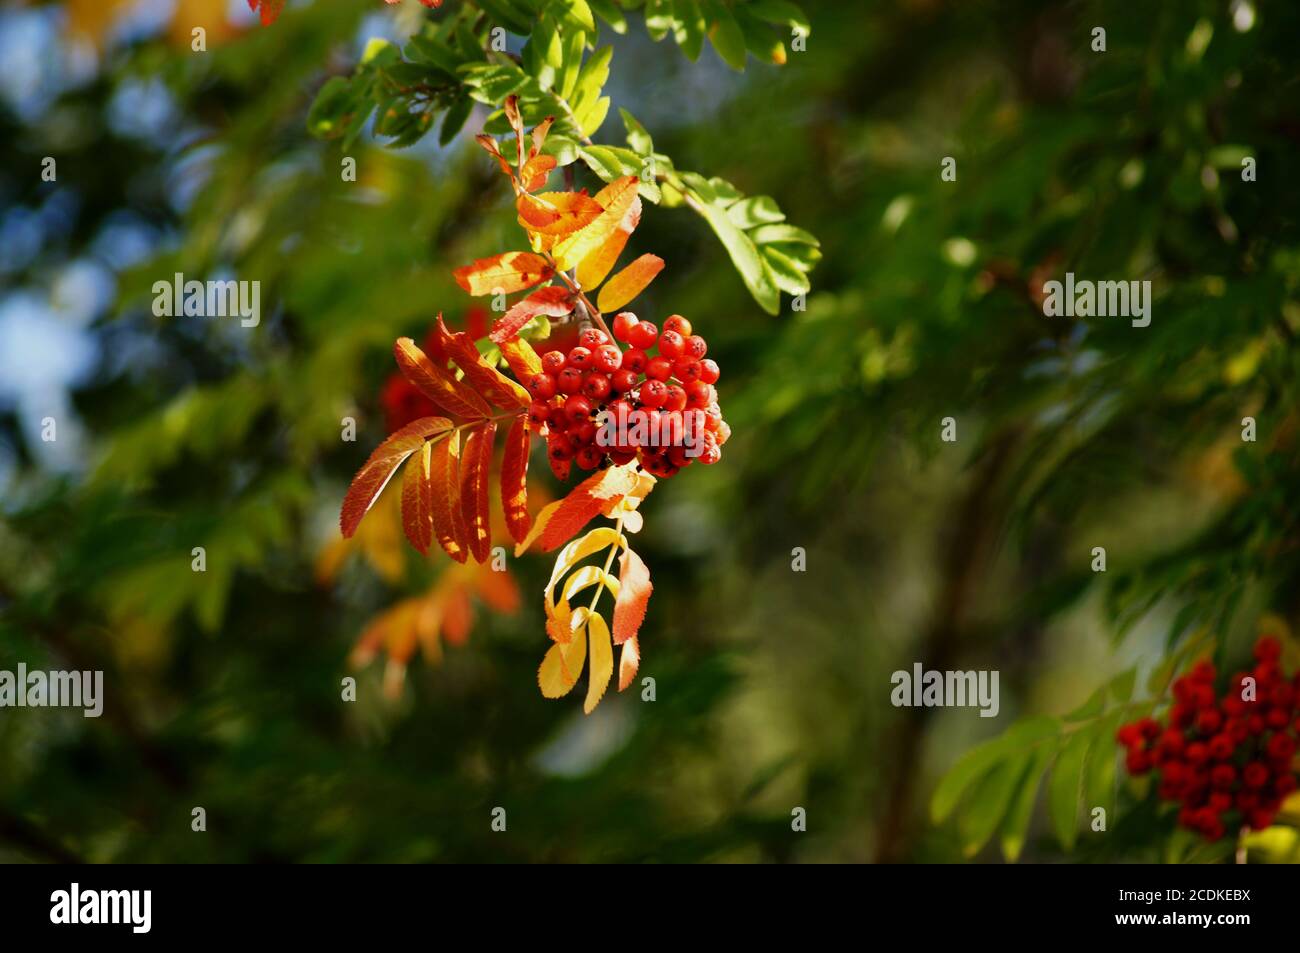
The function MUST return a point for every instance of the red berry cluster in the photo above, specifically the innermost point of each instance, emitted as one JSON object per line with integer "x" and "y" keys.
{"x": 653, "y": 393}
{"x": 1228, "y": 760}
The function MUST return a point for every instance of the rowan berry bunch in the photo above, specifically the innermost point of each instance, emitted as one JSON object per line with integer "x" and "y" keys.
{"x": 598, "y": 404}
{"x": 1228, "y": 760}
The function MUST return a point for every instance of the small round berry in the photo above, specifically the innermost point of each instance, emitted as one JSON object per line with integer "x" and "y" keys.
{"x": 538, "y": 413}
{"x": 577, "y": 408}
{"x": 569, "y": 380}
{"x": 638, "y": 427}
{"x": 593, "y": 338}
{"x": 654, "y": 393}
{"x": 624, "y": 322}
{"x": 596, "y": 386}
{"x": 643, "y": 334}
{"x": 709, "y": 371}
{"x": 659, "y": 369}
{"x": 541, "y": 386}
{"x": 671, "y": 344}
{"x": 1268, "y": 648}
{"x": 635, "y": 360}
{"x": 695, "y": 348}
{"x": 724, "y": 433}
{"x": 607, "y": 358}
{"x": 676, "y": 397}
{"x": 686, "y": 372}
{"x": 579, "y": 357}
{"x": 583, "y": 434}
{"x": 589, "y": 458}
{"x": 559, "y": 447}
{"x": 1255, "y": 774}
{"x": 621, "y": 456}
{"x": 553, "y": 362}
{"x": 1198, "y": 752}
{"x": 1223, "y": 777}
{"x": 675, "y": 322}
{"x": 700, "y": 394}
{"x": 1209, "y": 721}
{"x": 679, "y": 457}
{"x": 623, "y": 380}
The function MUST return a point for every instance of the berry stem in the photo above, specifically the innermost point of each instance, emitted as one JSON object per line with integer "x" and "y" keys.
{"x": 609, "y": 561}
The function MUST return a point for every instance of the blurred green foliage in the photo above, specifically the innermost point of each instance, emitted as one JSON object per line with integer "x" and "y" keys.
{"x": 772, "y": 686}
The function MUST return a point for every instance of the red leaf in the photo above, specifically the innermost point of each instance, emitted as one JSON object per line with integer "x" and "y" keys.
{"x": 417, "y": 499}
{"x": 633, "y": 594}
{"x": 474, "y": 489}
{"x": 485, "y": 379}
{"x": 556, "y": 213}
{"x": 514, "y": 481}
{"x": 583, "y": 503}
{"x": 503, "y": 274}
{"x": 436, "y": 383}
{"x": 380, "y": 467}
{"x": 554, "y": 301}
{"x": 628, "y": 662}
{"x": 448, "y": 524}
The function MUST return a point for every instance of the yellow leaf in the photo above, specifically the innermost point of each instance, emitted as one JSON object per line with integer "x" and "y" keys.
{"x": 602, "y": 661}
{"x": 562, "y": 663}
{"x": 573, "y": 553}
{"x": 629, "y": 282}
{"x": 585, "y": 578}
{"x": 571, "y": 251}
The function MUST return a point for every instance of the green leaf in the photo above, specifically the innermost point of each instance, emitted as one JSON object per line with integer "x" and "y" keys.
{"x": 328, "y": 110}
{"x": 577, "y": 14}
{"x": 975, "y": 763}
{"x": 789, "y": 277}
{"x": 782, "y": 233}
{"x": 455, "y": 119}
{"x": 689, "y": 28}
{"x": 1121, "y": 686}
{"x": 726, "y": 35}
{"x": 754, "y": 270}
{"x": 591, "y": 118}
{"x": 658, "y": 18}
{"x": 780, "y": 11}
{"x": 433, "y": 52}
{"x": 1099, "y": 779}
{"x": 592, "y": 78}
{"x": 1066, "y": 787}
{"x": 637, "y": 138}
{"x": 989, "y": 802}
{"x": 608, "y": 11}
{"x": 573, "y": 48}
{"x": 758, "y": 210}
{"x": 564, "y": 149}
{"x": 1021, "y": 811}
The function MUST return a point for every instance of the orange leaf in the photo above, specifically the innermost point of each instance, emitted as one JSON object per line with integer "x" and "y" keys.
{"x": 557, "y": 213}
{"x": 619, "y": 196}
{"x": 633, "y": 594}
{"x": 448, "y": 524}
{"x": 554, "y": 301}
{"x": 490, "y": 146}
{"x": 484, "y": 378}
{"x": 628, "y": 663}
{"x": 380, "y": 467}
{"x": 516, "y": 123}
{"x": 474, "y": 488}
{"x": 536, "y": 171}
{"x": 593, "y": 269}
{"x": 514, "y": 481}
{"x": 521, "y": 357}
{"x": 557, "y": 523}
{"x": 629, "y": 282}
{"x": 417, "y": 499}
{"x": 539, "y": 135}
{"x": 503, "y": 274}
{"x": 437, "y": 383}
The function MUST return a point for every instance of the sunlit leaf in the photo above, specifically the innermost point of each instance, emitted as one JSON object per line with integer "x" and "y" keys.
{"x": 503, "y": 274}
{"x": 474, "y": 488}
{"x": 436, "y": 383}
{"x": 375, "y": 473}
{"x": 629, "y": 282}
{"x": 601, "y": 665}
{"x": 514, "y": 481}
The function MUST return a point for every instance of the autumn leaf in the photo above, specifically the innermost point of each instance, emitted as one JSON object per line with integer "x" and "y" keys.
{"x": 563, "y": 661}
{"x": 628, "y": 662}
{"x": 575, "y": 552}
{"x": 484, "y": 378}
{"x": 269, "y": 10}
{"x": 536, "y": 171}
{"x": 561, "y": 520}
{"x": 553, "y": 301}
{"x": 600, "y": 666}
{"x": 629, "y": 282}
{"x": 514, "y": 481}
{"x": 417, "y": 499}
{"x": 633, "y": 595}
{"x": 593, "y": 269}
{"x": 558, "y": 214}
{"x": 490, "y": 146}
{"x": 503, "y": 274}
{"x": 474, "y": 488}
{"x": 618, "y": 198}
{"x": 448, "y": 524}
{"x": 522, "y": 358}
{"x": 436, "y": 383}
{"x": 380, "y": 467}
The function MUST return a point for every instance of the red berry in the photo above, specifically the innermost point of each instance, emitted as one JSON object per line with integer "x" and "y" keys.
{"x": 538, "y": 412}
{"x": 679, "y": 457}
{"x": 1128, "y": 735}
{"x": 1277, "y": 717}
{"x": 583, "y": 434}
{"x": 1220, "y": 801}
{"x": 654, "y": 393}
{"x": 552, "y": 362}
{"x": 559, "y": 467}
{"x": 678, "y": 324}
{"x": 686, "y": 372}
{"x": 593, "y": 338}
{"x": 1284, "y": 785}
{"x": 695, "y": 349}
{"x": 1208, "y": 721}
{"x": 1203, "y": 672}
{"x": 579, "y": 357}
{"x": 1260, "y": 819}
{"x": 724, "y": 433}
{"x": 712, "y": 454}
{"x": 622, "y": 381}
{"x": 643, "y": 335}
{"x": 589, "y": 458}
{"x": 624, "y": 321}
{"x": 1197, "y": 753}
{"x": 671, "y": 344}
{"x": 1268, "y": 648}
{"x": 1281, "y": 748}
{"x": 621, "y": 456}
{"x": 659, "y": 369}
{"x": 1223, "y": 777}
{"x": 541, "y": 386}
{"x": 596, "y": 386}
{"x": 559, "y": 447}
{"x": 569, "y": 380}
{"x": 635, "y": 360}
{"x": 700, "y": 394}
{"x": 608, "y": 358}
{"x": 709, "y": 371}
{"x": 577, "y": 408}
{"x": 1255, "y": 774}
{"x": 1221, "y": 747}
